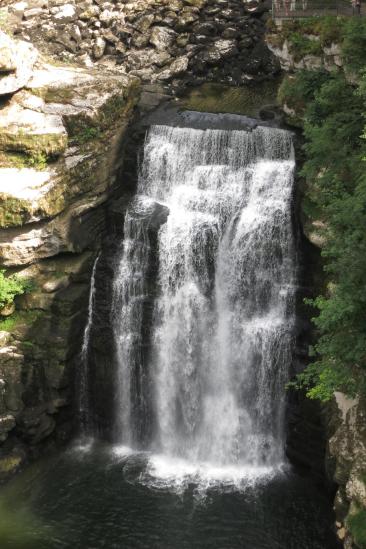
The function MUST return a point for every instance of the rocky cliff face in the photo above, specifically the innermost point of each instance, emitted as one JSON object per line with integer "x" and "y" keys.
{"x": 61, "y": 134}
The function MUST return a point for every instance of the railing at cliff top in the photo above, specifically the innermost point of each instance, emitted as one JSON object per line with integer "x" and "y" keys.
{"x": 291, "y": 9}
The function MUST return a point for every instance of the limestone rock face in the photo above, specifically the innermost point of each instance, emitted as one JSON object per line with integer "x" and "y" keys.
{"x": 17, "y": 59}
{"x": 60, "y": 141}
{"x": 28, "y": 130}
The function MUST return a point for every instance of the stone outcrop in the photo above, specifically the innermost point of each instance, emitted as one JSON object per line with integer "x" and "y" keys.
{"x": 61, "y": 134}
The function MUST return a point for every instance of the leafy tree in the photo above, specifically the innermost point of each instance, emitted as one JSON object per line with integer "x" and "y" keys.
{"x": 335, "y": 172}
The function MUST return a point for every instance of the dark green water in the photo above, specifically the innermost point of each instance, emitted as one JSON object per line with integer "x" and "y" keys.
{"x": 96, "y": 498}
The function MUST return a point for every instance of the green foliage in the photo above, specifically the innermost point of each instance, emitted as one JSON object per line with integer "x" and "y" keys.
{"x": 297, "y": 91}
{"x": 87, "y": 134}
{"x": 356, "y": 523}
{"x": 18, "y": 160}
{"x": 333, "y": 112}
{"x": 20, "y": 318}
{"x": 38, "y": 161}
{"x": 322, "y": 30}
{"x": 354, "y": 44}
{"x": 301, "y": 45}
{"x": 11, "y": 286}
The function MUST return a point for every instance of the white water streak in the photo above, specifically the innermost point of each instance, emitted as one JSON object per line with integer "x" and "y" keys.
{"x": 84, "y": 376}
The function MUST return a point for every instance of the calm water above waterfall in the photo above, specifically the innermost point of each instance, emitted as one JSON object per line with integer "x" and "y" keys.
{"x": 203, "y": 323}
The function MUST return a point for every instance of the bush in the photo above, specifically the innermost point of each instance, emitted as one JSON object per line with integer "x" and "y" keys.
{"x": 11, "y": 286}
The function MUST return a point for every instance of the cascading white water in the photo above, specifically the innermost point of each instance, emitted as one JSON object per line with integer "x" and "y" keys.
{"x": 224, "y": 312}
{"x": 84, "y": 411}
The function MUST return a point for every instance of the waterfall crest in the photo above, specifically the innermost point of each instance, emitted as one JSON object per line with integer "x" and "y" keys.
{"x": 223, "y": 311}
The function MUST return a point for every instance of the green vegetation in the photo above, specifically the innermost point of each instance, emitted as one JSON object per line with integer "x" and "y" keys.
{"x": 16, "y": 319}
{"x": 308, "y": 36}
{"x": 11, "y": 286}
{"x": 86, "y": 134}
{"x": 35, "y": 160}
{"x": 356, "y": 522}
{"x": 298, "y": 91}
{"x": 301, "y": 45}
{"x": 333, "y": 111}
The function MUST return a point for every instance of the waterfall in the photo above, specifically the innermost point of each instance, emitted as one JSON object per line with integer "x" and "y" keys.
{"x": 216, "y": 360}
{"x": 84, "y": 405}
